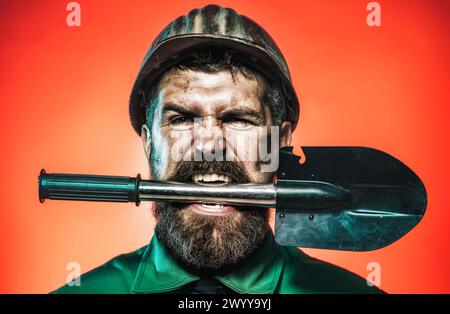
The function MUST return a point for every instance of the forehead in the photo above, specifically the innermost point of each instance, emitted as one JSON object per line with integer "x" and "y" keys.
{"x": 211, "y": 89}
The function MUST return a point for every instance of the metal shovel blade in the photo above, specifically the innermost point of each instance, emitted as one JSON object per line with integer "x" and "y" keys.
{"x": 388, "y": 199}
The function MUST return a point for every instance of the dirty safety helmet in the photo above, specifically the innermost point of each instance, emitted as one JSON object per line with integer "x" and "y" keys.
{"x": 215, "y": 27}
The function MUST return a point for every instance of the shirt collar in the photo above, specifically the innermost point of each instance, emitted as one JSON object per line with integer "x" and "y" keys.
{"x": 158, "y": 271}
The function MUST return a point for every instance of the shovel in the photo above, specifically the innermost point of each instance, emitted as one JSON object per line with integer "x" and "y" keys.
{"x": 340, "y": 198}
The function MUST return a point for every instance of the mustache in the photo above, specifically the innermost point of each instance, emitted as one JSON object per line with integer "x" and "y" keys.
{"x": 186, "y": 169}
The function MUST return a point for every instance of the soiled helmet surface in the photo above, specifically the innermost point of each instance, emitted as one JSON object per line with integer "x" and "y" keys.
{"x": 212, "y": 26}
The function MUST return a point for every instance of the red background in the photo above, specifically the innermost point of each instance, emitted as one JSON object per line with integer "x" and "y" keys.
{"x": 64, "y": 94}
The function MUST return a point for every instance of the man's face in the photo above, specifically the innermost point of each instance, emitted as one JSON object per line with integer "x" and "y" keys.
{"x": 204, "y": 130}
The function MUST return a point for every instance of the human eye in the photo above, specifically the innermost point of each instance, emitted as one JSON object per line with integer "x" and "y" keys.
{"x": 180, "y": 120}
{"x": 240, "y": 123}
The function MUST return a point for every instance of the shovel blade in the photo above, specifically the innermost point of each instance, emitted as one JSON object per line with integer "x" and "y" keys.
{"x": 388, "y": 200}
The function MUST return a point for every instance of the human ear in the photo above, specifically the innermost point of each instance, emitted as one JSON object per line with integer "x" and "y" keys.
{"x": 146, "y": 140}
{"x": 285, "y": 134}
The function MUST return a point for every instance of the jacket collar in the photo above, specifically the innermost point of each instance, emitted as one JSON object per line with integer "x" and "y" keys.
{"x": 158, "y": 272}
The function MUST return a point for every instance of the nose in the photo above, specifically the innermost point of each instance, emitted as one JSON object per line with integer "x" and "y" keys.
{"x": 208, "y": 137}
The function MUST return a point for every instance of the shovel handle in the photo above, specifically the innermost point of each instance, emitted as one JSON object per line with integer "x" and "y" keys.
{"x": 286, "y": 194}
{"x": 81, "y": 187}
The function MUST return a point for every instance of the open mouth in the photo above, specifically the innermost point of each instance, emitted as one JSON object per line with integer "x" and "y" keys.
{"x": 212, "y": 179}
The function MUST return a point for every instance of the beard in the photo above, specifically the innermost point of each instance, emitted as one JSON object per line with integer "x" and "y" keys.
{"x": 207, "y": 244}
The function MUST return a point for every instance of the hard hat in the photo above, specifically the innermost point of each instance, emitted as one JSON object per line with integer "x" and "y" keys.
{"x": 218, "y": 27}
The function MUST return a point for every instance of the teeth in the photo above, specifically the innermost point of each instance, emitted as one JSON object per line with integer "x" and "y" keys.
{"x": 212, "y": 206}
{"x": 210, "y": 177}
{"x": 198, "y": 177}
{"x": 224, "y": 178}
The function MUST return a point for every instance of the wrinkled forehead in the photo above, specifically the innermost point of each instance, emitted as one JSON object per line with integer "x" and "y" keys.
{"x": 211, "y": 89}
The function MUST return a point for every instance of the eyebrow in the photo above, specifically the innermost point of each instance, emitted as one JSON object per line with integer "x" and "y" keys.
{"x": 179, "y": 109}
{"x": 240, "y": 111}
{"x": 229, "y": 113}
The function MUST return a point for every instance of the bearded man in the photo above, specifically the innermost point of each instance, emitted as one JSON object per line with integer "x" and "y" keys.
{"x": 214, "y": 83}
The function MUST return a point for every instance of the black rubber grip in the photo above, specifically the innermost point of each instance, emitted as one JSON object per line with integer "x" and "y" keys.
{"x": 81, "y": 187}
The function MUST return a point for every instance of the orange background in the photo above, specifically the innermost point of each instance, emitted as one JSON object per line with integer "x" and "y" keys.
{"x": 64, "y": 94}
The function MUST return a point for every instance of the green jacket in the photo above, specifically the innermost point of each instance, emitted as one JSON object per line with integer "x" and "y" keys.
{"x": 271, "y": 269}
